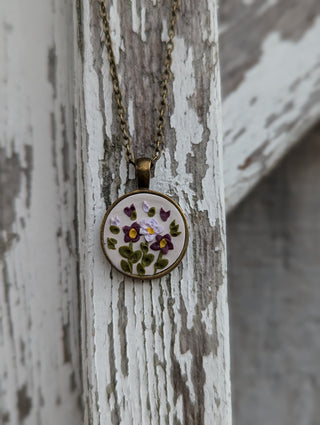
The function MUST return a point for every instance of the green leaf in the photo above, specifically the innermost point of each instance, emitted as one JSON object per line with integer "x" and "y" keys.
{"x": 135, "y": 257}
{"x": 133, "y": 215}
{"x": 147, "y": 260}
{"x": 151, "y": 212}
{"x": 141, "y": 270}
{"x": 172, "y": 224}
{"x": 144, "y": 247}
{"x": 125, "y": 251}
{"x": 114, "y": 229}
{"x": 126, "y": 267}
{"x": 160, "y": 264}
{"x": 111, "y": 243}
{"x": 174, "y": 229}
{"x": 175, "y": 233}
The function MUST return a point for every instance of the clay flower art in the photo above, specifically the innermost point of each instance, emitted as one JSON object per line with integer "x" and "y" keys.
{"x": 150, "y": 229}
{"x": 129, "y": 210}
{"x": 131, "y": 233}
{"x": 164, "y": 214}
{"x": 145, "y": 206}
{"x": 163, "y": 243}
{"x": 115, "y": 221}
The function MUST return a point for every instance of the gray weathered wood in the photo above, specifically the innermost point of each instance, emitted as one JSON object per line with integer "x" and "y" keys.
{"x": 39, "y": 359}
{"x": 270, "y": 63}
{"x": 274, "y": 269}
{"x": 153, "y": 352}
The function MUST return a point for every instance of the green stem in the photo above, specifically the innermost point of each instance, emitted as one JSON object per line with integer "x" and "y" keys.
{"x": 155, "y": 264}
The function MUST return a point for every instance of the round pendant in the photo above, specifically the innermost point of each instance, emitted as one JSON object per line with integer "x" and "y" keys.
{"x": 144, "y": 234}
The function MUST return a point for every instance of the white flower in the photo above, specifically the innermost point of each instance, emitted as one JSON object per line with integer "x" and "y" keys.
{"x": 146, "y": 206}
{"x": 115, "y": 221}
{"x": 150, "y": 229}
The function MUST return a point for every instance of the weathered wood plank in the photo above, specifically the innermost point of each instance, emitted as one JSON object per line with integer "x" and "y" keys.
{"x": 39, "y": 366}
{"x": 270, "y": 63}
{"x": 274, "y": 297}
{"x": 153, "y": 352}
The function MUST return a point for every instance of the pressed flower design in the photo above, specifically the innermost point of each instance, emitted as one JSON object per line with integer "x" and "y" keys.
{"x": 147, "y": 242}
{"x": 150, "y": 228}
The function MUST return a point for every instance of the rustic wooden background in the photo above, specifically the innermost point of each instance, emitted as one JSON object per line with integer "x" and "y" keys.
{"x": 270, "y": 62}
{"x": 149, "y": 353}
{"x": 274, "y": 294}
{"x": 39, "y": 318}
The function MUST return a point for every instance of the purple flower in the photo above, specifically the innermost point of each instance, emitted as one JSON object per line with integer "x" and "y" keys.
{"x": 131, "y": 233}
{"x": 150, "y": 228}
{"x": 115, "y": 221}
{"x": 164, "y": 214}
{"x": 145, "y": 206}
{"x": 129, "y": 210}
{"x": 163, "y": 244}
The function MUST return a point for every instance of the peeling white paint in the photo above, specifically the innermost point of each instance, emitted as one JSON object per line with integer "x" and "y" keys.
{"x": 164, "y": 33}
{"x": 129, "y": 367}
{"x": 116, "y": 31}
{"x": 282, "y": 84}
{"x": 135, "y": 17}
{"x": 143, "y": 25}
{"x": 266, "y": 5}
{"x": 39, "y": 367}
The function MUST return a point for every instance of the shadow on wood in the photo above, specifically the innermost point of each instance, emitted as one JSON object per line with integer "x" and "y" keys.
{"x": 274, "y": 294}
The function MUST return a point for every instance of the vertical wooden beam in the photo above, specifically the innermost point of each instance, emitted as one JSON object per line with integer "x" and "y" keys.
{"x": 39, "y": 363}
{"x": 153, "y": 352}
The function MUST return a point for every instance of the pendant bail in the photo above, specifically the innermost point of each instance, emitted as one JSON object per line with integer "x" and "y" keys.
{"x": 143, "y": 167}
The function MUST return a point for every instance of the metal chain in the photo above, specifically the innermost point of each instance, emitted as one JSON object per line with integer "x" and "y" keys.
{"x": 164, "y": 90}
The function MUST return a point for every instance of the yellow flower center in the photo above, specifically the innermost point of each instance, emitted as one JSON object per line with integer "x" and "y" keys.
{"x": 132, "y": 233}
{"x": 150, "y": 230}
{"x": 163, "y": 243}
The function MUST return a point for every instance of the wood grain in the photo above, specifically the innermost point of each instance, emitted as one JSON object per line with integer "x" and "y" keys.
{"x": 274, "y": 245}
{"x": 39, "y": 331}
{"x": 154, "y": 352}
{"x": 271, "y": 85}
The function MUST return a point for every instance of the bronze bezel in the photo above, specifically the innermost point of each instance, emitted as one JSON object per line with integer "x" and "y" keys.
{"x": 185, "y": 246}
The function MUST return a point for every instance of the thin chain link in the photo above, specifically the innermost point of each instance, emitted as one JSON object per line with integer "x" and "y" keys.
{"x": 164, "y": 89}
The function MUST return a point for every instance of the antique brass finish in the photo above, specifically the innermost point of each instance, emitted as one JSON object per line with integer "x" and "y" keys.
{"x": 143, "y": 166}
{"x": 186, "y": 240}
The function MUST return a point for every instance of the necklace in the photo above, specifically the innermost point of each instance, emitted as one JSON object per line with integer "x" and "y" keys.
{"x": 144, "y": 234}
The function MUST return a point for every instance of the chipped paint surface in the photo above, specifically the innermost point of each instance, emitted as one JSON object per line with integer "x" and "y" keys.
{"x": 274, "y": 268}
{"x": 39, "y": 366}
{"x": 154, "y": 352}
{"x": 271, "y": 82}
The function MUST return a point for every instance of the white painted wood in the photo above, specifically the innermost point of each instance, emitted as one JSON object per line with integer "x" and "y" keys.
{"x": 271, "y": 84}
{"x": 39, "y": 364}
{"x": 274, "y": 296}
{"x": 153, "y": 352}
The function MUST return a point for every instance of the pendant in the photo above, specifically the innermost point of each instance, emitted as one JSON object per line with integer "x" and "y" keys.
{"x": 144, "y": 234}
